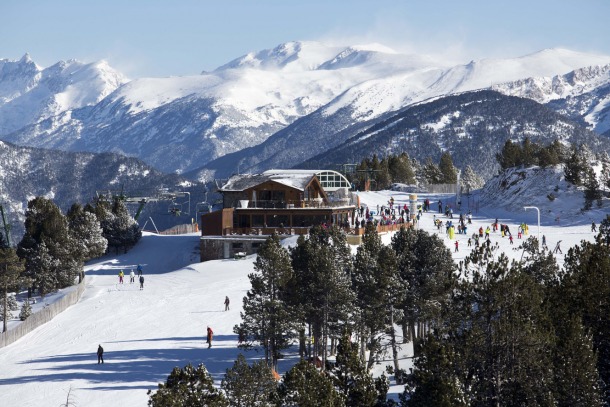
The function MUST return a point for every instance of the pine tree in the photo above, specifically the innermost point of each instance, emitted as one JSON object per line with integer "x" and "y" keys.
{"x": 246, "y": 385}
{"x": 586, "y": 293}
{"x": 433, "y": 381}
{"x": 510, "y": 156}
{"x": 26, "y": 310}
{"x": 321, "y": 289}
{"x": 426, "y": 267}
{"x": 470, "y": 180}
{"x": 431, "y": 173}
{"x": 86, "y": 234}
{"x": 375, "y": 281}
{"x": 187, "y": 387}
{"x": 575, "y": 166}
{"x": 447, "y": 169}
{"x": 305, "y": 386}
{"x": 592, "y": 191}
{"x": 265, "y": 318}
{"x": 11, "y": 277}
{"x": 351, "y": 377}
{"x": 46, "y": 247}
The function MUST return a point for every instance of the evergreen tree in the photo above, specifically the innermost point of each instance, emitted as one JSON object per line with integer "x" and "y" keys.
{"x": 401, "y": 170}
{"x": 46, "y": 247}
{"x": 249, "y": 386}
{"x": 447, "y": 169}
{"x": 375, "y": 281}
{"x": 26, "y": 310}
{"x": 426, "y": 267}
{"x": 187, "y": 387}
{"x": 11, "y": 277}
{"x": 431, "y": 173}
{"x": 510, "y": 156}
{"x": 505, "y": 337}
{"x": 586, "y": 293}
{"x": 470, "y": 180}
{"x": 120, "y": 230}
{"x": 433, "y": 381}
{"x": 529, "y": 152}
{"x": 351, "y": 377}
{"x": 321, "y": 289}
{"x": 592, "y": 191}
{"x": 575, "y": 370}
{"x": 86, "y": 233}
{"x": 265, "y": 318}
{"x": 575, "y": 166}
{"x": 305, "y": 386}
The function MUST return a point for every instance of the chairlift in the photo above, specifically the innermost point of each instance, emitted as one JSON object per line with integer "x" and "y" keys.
{"x": 203, "y": 207}
{"x": 175, "y": 209}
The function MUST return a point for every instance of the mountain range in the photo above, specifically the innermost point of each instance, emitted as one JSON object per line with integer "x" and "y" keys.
{"x": 72, "y": 129}
{"x": 277, "y": 107}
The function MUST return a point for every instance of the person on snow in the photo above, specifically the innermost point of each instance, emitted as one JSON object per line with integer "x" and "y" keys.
{"x": 210, "y": 335}
{"x": 139, "y": 268}
{"x": 593, "y": 227}
{"x": 456, "y": 245}
{"x": 121, "y": 274}
{"x": 487, "y": 231}
{"x": 141, "y": 282}
{"x": 510, "y": 238}
{"x": 132, "y": 277}
{"x": 227, "y": 303}
{"x": 100, "y": 354}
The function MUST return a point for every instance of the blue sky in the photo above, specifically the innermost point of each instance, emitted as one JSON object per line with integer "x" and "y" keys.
{"x": 184, "y": 37}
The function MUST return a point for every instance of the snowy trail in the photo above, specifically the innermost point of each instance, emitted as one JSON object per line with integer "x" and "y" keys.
{"x": 147, "y": 333}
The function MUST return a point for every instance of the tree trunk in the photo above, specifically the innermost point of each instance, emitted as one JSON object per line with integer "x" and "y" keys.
{"x": 394, "y": 348}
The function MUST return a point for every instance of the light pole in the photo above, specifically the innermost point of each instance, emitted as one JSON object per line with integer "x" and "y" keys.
{"x": 537, "y": 210}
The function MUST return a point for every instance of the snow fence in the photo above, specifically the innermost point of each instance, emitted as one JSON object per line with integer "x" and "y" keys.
{"x": 42, "y": 316}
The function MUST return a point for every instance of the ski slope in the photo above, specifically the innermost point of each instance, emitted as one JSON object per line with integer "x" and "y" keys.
{"x": 146, "y": 333}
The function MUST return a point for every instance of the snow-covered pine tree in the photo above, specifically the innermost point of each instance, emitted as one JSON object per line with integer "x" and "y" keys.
{"x": 188, "y": 387}
{"x": 306, "y": 386}
{"x": 26, "y": 310}
{"x": 45, "y": 224}
{"x": 470, "y": 180}
{"x": 249, "y": 385}
{"x": 87, "y": 240}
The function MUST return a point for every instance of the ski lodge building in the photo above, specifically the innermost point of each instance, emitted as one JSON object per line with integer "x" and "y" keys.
{"x": 286, "y": 202}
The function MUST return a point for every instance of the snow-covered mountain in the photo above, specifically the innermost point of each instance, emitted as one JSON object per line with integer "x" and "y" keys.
{"x": 72, "y": 177}
{"x": 583, "y": 95}
{"x": 29, "y": 93}
{"x": 297, "y": 90}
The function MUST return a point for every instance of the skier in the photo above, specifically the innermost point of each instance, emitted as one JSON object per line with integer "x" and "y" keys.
{"x": 132, "y": 277}
{"x": 510, "y": 237}
{"x": 557, "y": 248}
{"x": 456, "y": 245}
{"x": 141, "y": 282}
{"x": 100, "y": 354}
{"x": 139, "y": 270}
{"x": 593, "y": 227}
{"x": 210, "y": 335}
{"x": 227, "y": 303}
{"x": 543, "y": 241}
{"x": 121, "y": 274}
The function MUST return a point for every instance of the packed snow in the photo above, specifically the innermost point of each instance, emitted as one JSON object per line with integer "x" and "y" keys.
{"x": 145, "y": 333}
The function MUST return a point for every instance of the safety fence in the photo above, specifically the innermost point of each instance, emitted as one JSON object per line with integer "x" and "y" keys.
{"x": 181, "y": 229}
{"x": 42, "y": 316}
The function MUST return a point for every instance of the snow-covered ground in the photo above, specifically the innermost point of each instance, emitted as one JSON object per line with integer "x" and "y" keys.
{"x": 145, "y": 333}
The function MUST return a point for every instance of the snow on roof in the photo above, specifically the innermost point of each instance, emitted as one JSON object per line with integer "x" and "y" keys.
{"x": 298, "y": 179}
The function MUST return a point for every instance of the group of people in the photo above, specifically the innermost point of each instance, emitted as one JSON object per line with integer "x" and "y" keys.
{"x": 132, "y": 276}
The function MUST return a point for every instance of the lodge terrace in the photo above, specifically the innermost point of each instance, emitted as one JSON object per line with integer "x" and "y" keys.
{"x": 286, "y": 202}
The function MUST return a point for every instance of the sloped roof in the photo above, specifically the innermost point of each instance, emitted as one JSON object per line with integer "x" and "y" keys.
{"x": 298, "y": 179}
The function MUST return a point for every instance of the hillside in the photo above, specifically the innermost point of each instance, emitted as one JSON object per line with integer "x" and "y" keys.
{"x": 179, "y": 124}
{"x": 147, "y": 333}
